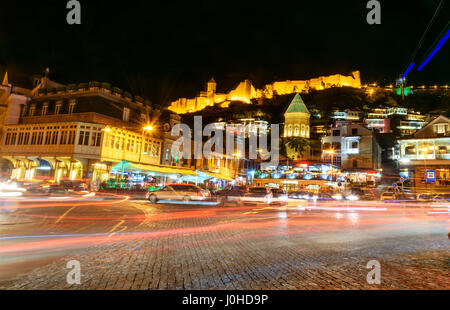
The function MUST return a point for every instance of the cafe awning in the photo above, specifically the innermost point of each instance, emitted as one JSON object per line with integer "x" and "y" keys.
{"x": 185, "y": 171}
{"x": 214, "y": 175}
{"x": 153, "y": 169}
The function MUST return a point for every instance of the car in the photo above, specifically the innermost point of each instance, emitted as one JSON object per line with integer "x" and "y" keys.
{"x": 442, "y": 198}
{"x": 387, "y": 196}
{"x": 232, "y": 193}
{"x": 179, "y": 192}
{"x": 279, "y": 196}
{"x": 425, "y": 197}
{"x": 405, "y": 196}
{"x": 299, "y": 195}
{"x": 57, "y": 189}
{"x": 255, "y": 195}
{"x": 75, "y": 185}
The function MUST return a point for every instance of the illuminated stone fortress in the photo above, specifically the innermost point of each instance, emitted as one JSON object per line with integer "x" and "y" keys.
{"x": 245, "y": 91}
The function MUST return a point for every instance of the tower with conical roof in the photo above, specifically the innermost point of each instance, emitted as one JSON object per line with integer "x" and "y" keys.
{"x": 296, "y": 119}
{"x": 211, "y": 87}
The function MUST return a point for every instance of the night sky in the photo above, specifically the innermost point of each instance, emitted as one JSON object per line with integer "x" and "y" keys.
{"x": 166, "y": 49}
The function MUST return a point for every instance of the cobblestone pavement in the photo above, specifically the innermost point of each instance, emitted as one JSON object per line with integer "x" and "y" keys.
{"x": 203, "y": 247}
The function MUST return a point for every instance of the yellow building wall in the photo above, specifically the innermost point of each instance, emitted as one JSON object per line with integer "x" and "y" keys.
{"x": 245, "y": 91}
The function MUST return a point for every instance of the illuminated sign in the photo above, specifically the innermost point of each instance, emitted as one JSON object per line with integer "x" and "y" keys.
{"x": 431, "y": 176}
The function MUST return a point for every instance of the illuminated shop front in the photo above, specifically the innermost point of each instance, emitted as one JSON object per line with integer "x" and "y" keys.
{"x": 292, "y": 178}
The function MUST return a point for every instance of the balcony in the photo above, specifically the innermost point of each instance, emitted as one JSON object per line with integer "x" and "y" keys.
{"x": 89, "y": 117}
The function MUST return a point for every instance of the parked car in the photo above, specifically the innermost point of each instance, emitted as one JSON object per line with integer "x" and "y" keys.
{"x": 387, "y": 196}
{"x": 179, "y": 192}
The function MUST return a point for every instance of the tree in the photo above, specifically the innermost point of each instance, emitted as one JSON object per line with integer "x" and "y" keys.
{"x": 298, "y": 144}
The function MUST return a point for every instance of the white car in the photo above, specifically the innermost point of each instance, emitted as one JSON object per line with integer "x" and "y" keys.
{"x": 179, "y": 192}
{"x": 387, "y": 196}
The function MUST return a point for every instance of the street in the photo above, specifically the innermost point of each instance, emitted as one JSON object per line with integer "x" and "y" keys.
{"x": 132, "y": 244}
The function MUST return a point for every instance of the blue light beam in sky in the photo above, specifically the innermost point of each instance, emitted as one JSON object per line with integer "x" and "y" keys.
{"x": 406, "y": 72}
{"x": 437, "y": 48}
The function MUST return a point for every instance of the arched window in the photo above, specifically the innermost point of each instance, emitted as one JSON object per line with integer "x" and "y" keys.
{"x": 289, "y": 130}
{"x": 307, "y": 131}
{"x": 296, "y": 131}
{"x": 303, "y": 130}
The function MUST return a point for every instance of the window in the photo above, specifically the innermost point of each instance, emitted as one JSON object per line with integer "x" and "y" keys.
{"x": 20, "y": 139}
{"x": 48, "y": 137}
{"x": 81, "y": 138}
{"x": 126, "y": 114}
{"x": 442, "y": 149}
{"x": 63, "y": 139}
{"x": 13, "y": 138}
{"x": 336, "y": 133}
{"x": 410, "y": 150}
{"x": 44, "y": 109}
{"x": 55, "y": 137}
{"x": 7, "y": 138}
{"x": 57, "y": 108}
{"x": 72, "y": 104}
{"x": 40, "y": 138}
{"x": 34, "y": 138}
{"x": 441, "y": 128}
{"x": 355, "y": 163}
{"x": 354, "y": 145}
{"x": 26, "y": 138}
{"x": 354, "y": 131}
{"x": 71, "y": 137}
{"x": 96, "y": 137}
{"x": 32, "y": 109}
{"x": 84, "y": 138}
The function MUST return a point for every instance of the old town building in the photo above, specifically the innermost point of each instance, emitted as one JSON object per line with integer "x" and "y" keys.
{"x": 354, "y": 149}
{"x": 425, "y": 157}
{"x": 78, "y": 132}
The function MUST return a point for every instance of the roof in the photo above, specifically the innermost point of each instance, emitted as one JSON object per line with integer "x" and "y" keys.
{"x": 297, "y": 105}
{"x": 438, "y": 119}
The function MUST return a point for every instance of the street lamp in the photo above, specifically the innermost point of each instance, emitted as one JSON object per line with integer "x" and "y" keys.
{"x": 425, "y": 151}
{"x": 331, "y": 152}
{"x": 144, "y": 129}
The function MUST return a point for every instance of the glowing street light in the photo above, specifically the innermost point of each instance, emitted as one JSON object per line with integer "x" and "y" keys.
{"x": 144, "y": 129}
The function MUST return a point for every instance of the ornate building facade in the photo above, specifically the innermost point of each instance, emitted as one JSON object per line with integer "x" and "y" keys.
{"x": 296, "y": 119}
{"x": 78, "y": 132}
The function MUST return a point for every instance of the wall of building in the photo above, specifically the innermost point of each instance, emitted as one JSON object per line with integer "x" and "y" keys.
{"x": 245, "y": 91}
